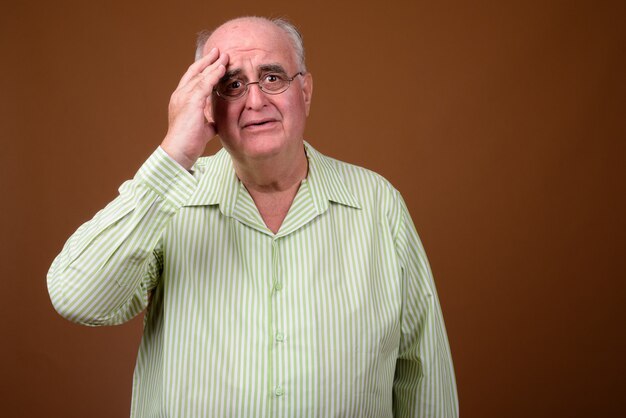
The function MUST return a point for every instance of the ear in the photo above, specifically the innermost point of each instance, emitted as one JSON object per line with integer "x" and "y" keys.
{"x": 307, "y": 89}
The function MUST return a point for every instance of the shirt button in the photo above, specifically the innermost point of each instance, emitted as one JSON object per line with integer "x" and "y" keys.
{"x": 278, "y": 391}
{"x": 278, "y": 286}
{"x": 280, "y": 336}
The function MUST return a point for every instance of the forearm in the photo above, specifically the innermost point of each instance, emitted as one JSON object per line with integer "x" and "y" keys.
{"x": 107, "y": 268}
{"x": 424, "y": 382}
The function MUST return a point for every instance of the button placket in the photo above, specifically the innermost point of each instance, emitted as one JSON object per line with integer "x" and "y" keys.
{"x": 276, "y": 282}
{"x": 277, "y": 336}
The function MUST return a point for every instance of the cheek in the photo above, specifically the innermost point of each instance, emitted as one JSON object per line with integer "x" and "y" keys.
{"x": 293, "y": 109}
{"x": 298, "y": 112}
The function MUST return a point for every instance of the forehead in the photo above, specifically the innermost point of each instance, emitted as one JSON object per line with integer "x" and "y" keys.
{"x": 252, "y": 43}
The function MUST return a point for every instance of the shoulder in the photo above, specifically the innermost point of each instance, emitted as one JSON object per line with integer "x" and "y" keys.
{"x": 371, "y": 189}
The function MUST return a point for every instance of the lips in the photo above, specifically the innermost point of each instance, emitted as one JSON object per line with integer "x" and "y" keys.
{"x": 258, "y": 122}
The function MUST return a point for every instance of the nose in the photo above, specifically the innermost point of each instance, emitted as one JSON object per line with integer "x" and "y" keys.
{"x": 255, "y": 98}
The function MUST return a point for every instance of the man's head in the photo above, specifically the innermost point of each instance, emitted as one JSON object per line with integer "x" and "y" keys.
{"x": 288, "y": 27}
{"x": 259, "y": 124}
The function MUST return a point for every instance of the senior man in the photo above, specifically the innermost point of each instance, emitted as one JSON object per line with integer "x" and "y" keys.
{"x": 276, "y": 281}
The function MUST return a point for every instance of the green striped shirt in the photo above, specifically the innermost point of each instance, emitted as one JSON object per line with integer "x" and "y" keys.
{"x": 336, "y": 315}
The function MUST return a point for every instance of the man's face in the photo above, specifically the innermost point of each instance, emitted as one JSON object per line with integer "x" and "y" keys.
{"x": 260, "y": 125}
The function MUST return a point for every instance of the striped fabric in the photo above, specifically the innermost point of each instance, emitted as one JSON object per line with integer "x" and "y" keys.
{"x": 336, "y": 315}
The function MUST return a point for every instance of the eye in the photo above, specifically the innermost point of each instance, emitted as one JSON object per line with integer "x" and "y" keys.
{"x": 233, "y": 85}
{"x": 231, "y": 88}
{"x": 272, "y": 78}
{"x": 273, "y": 82}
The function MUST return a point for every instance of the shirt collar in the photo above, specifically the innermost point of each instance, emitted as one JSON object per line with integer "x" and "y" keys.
{"x": 219, "y": 185}
{"x": 325, "y": 181}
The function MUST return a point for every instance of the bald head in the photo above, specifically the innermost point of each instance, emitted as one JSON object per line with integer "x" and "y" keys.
{"x": 284, "y": 29}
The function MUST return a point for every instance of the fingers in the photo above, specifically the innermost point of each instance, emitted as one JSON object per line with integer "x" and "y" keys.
{"x": 198, "y": 66}
{"x": 196, "y": 86}
{"x": 200, "y": 87}
{"x": 207, "y": 78}
{"x": 212, "y": 73}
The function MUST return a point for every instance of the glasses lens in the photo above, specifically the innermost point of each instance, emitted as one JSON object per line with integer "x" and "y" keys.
{"x": 231, "y": 88}
{"x": 274, "y": 83}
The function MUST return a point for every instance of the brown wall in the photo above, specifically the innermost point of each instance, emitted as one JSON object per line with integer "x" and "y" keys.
{"x": 502, "y": 123}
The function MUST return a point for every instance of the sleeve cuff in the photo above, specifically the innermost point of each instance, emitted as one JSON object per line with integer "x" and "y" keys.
{"x": 167, "y": 178}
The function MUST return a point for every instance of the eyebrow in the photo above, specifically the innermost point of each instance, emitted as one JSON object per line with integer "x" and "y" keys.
{"x": 272, "y": 68}
{"x": 265, "y": 68}
{"x": 230, "y": 74}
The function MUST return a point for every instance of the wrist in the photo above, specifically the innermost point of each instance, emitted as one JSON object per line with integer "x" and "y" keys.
{"x": 178, "y": 156}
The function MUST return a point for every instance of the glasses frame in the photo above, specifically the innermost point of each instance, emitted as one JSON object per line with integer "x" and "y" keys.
{"x": 247, "y": 87}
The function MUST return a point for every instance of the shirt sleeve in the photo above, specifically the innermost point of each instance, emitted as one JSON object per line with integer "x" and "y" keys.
{"x": 424, "y": 382}
{"x": 107, "y": 268}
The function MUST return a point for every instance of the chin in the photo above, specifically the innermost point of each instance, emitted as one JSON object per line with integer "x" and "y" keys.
{"x": 255, "y": 146}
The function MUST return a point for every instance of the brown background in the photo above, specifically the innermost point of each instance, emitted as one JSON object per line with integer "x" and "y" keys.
{"x": 502, "y": 123}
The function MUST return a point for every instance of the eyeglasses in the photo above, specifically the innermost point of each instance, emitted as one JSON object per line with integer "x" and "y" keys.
{"x": 270, "y": 83}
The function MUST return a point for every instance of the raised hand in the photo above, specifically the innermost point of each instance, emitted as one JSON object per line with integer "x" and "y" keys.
{"x": 191, "y": 124}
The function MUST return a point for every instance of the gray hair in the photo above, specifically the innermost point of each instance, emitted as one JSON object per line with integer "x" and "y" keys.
{"x": 290, "y": 29}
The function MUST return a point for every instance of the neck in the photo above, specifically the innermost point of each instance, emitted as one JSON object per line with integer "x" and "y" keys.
{"x": 276, "y": 174}
{"x": 273, "y": 183}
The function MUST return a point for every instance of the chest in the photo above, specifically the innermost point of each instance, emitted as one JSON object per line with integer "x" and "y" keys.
{"x": 331, "y": 268}
{"x": 314, "y": 312}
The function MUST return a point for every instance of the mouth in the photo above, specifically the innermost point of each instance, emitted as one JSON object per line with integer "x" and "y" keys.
{"x": 259, "y": 123}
